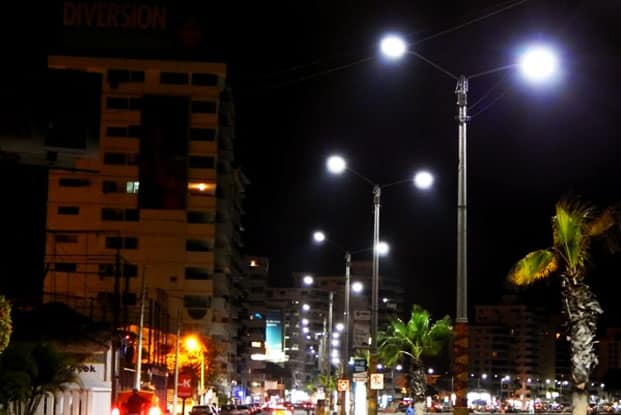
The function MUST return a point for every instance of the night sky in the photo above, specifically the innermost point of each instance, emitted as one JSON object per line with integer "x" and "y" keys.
{"x": 308, "y": 81}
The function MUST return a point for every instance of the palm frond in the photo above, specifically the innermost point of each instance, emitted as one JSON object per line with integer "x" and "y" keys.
{"x": 534, "y": 266}
{"x": 602, "y": 223}
{"x": 570, "y": 231}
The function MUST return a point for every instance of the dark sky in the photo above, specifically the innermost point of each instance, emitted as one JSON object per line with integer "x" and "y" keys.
{"x": 308, "y": 82}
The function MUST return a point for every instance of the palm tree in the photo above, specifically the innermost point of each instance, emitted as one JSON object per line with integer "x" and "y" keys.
{"x": 412, "y": 341}
{"x": 29, "y": 371}
{"x": 573, "y": 227}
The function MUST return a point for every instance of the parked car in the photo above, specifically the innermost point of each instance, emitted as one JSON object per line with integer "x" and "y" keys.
{"x": 204, "y": 410}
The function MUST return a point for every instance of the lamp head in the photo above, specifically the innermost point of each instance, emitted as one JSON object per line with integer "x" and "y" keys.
{"x": 319, "y": 236}
{"x": 393, "y": 46}
{"x": 336, "y": 164}
{"x": 538, "y": 64}
{"x": 423, "y": 180}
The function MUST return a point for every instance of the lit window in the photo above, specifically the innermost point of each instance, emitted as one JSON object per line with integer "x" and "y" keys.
{"x": 256, "y": 344}
{"x": 202, "y": 188}
{"x": 132, "y": 187}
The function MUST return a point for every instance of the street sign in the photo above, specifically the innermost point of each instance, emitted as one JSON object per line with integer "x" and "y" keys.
{"x": 377, "y": 381}
{"x": 342, "y": 385}
{"x": 360, "y": 365}
{"x": 184, "y": 388}
{"x": 360, "y": 377}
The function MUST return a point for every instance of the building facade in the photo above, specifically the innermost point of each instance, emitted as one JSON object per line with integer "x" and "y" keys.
{"x": 159, "y": 201}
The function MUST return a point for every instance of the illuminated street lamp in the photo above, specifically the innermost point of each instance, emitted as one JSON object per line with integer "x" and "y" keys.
{"x": 537, "y": 64}
{"x": 193, "y": 345}
{"x": 382, "y": 249}
{"x": 336, "y": 164}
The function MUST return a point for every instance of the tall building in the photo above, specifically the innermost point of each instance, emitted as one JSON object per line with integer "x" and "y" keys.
{"x": 305, "y": 311}
{"x": 505, "y": 344}
{"x": 252, "y": 343}
{"x": 159, "y": 199}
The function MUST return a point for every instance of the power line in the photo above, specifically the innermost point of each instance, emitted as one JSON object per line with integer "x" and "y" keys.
{"x": 503, "y": 8}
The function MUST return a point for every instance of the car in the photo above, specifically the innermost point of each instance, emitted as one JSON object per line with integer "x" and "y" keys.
{"x": 204, "y": 410}
{"x": 277, "y": 410}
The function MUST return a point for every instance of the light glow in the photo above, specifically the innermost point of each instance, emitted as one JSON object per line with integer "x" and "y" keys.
{"x": 538, "y": 64}
{"x": 423, "y": 180}
{"x": 319, "y": 236}
{"x": 308, "y": 280}
{"x": 357, "y": 287}
{"x": 382, "y": 248}
{"x": 305, "y": 307}
{"x": 393, "y": 46}
{"x": 336, "y": 164}
{"x": 340, "y": 326}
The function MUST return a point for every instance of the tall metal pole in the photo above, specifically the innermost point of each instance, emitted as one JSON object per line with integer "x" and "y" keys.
{"x": 347, "y": 311}
{"x": 344, "y": 408}
{"x": 140, "y": 326}
{"x": 176, "y": 380}
{"x": 372, "y": 396}
{"x": 460, "y": 343}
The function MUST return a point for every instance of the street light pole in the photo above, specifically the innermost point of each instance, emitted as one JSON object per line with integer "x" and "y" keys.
{"x": 372, "y": 396}
{"x": 347, "y": 312}
{"x": 460, "y": 344}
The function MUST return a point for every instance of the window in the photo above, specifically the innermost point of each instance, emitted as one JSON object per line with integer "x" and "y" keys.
{"x": 196, "y": 245}
{"x": 109, "y": 186}
{"x": 117, "y": 76}
{"x": 123, "y": 103}
{"x": 132, "y": 187}
{"x": 114, "y": 103}
{"x": 66, "y": 238}
{"x": 116, "y": 131}
{"x": 70, "y": 182}
{"x": 202, "y": 162}
{"x": 202, "y": 188}
{"x": 204, "y": 79}
{"x": 132, "y": 215}
{"x": 174, "y": 78}
{"x": 196, "y": 273}
{"x": 128, "y": 131}
{"x": 202, "y": 134}
{"x": 204, "y": 107}
{"x": 200, "y": 217}
{"x": 68, "y": 210}
{"x": 65, "y": 267}
{"x": 120, "y": 159}
{"x": 116, "y": 242}
{"x": 115, "y": 214}
{"x": 114, "y": 158}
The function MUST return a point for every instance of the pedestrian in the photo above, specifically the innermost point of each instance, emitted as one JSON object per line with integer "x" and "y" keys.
{"x": 134, "y": 403}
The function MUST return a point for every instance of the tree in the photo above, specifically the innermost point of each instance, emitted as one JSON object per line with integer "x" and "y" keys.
{"x": 411, "y": 341}
{"x": 29, "y": 371}
{"x": 573, "y": 228}
{"x": 6, "y": 326}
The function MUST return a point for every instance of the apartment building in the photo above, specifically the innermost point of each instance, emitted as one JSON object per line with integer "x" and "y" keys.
{"x": 158, "y": 201}
{"x": 506, "y": 343}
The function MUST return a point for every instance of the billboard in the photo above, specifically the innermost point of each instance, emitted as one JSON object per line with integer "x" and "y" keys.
{"x": 163, "y": 152}
{"x": 274, "y": 337}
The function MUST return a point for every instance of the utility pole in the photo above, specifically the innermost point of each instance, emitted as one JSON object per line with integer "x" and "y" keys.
{"x": 140, "y": 327}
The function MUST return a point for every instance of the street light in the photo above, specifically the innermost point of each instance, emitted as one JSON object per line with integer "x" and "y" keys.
{"x": 336, "y": 164}
{"x": 537, "y": 64}
{"x": 193, "y": 345}
{"x": 382, "y": 249}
